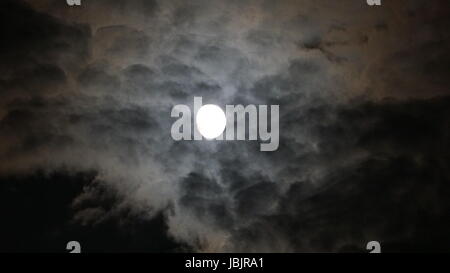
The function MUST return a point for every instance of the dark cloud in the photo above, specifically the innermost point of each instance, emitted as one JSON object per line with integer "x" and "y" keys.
{"x": 397, "y": 192}
{"x": 42, "y": 212}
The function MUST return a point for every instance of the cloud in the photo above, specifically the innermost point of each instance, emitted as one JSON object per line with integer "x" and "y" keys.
{"x": 88, "y": 91}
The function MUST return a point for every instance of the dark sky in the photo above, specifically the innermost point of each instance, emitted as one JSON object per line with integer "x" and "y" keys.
{"x": 85, "y": 147}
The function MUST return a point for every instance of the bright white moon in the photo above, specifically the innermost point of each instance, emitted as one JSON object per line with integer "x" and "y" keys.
{"x": 211, "y": 121}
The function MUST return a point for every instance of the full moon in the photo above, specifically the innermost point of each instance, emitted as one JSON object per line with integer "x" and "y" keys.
{"x": 211, "y": 121}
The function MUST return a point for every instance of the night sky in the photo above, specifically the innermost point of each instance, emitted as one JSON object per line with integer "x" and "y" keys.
{"x": 86, "y": 152}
